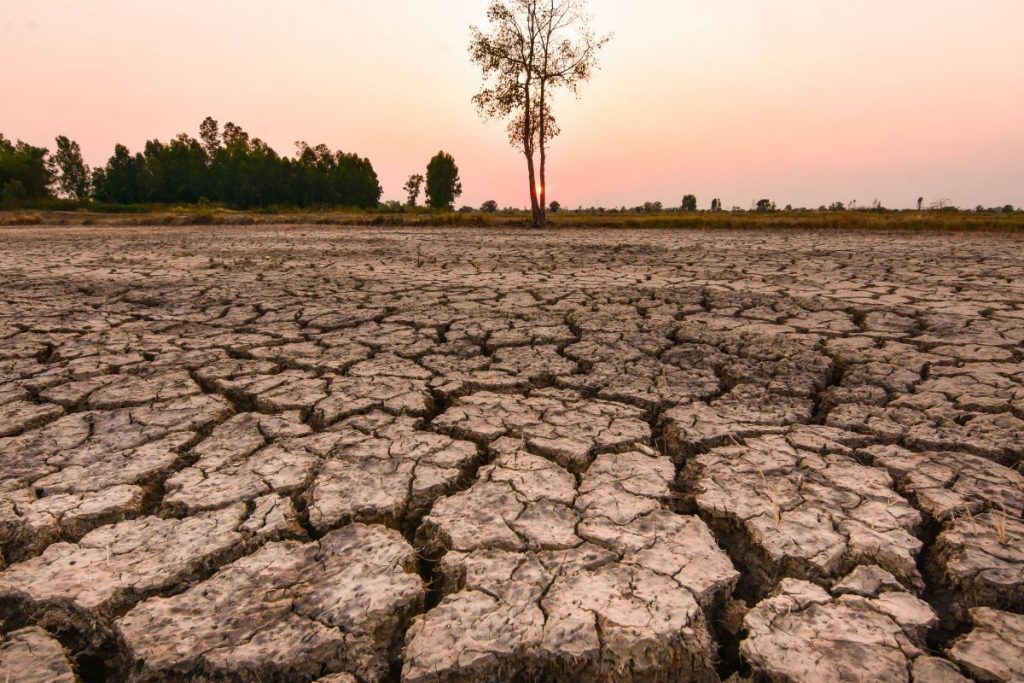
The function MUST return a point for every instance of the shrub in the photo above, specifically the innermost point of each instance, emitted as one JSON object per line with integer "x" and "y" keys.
{"x": 13, "y": 194}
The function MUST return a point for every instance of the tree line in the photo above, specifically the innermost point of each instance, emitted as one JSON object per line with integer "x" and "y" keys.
{"x": 222, "y": 166}
{"x": 229, "y": 167}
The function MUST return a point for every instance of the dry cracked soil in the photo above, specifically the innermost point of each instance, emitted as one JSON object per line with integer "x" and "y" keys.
{"x": 360, "y": 455}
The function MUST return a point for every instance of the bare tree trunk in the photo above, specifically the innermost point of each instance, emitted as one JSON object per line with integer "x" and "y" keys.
{"x": 534, "y": 207}
{"x": 528, "y": 116}
{"x": 542, "y": 218}
{"x": 530, "y": 167}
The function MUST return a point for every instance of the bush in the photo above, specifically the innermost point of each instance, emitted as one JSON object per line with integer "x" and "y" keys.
{"x": 14, "y": 193}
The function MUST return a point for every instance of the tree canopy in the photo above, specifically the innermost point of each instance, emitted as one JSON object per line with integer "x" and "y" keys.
{"x": 235, "y": 169}
{"x": 24, "y": 171}
{"x": 443, "y": 183}
{"x": 533, "y": 49}
{"x": 70, "y": 171}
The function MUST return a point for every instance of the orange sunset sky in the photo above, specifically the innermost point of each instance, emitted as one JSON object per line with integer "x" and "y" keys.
{"x": 802, "y": 101}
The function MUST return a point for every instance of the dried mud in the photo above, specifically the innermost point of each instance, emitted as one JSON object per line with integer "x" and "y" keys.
{"x": 360, "y": 455}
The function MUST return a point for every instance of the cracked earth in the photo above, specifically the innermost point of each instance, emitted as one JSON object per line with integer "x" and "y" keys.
{"x": 310, "y": 454}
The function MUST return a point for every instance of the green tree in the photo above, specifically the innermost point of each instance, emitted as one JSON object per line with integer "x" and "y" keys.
{"x": 412, "y": 188}
{"x": 716, "y": 205}
{"x": 12, "y": 193}
{"x": 237, "y": 170}
{"x": 123, "y": 180}
{"x": 555, "y": 207}
{"x": 490, "y": 206}
{"x": 443, "y": 183}
{"x": 534, "y": 48}
{"x": 764, "y": 205}
{"x": 28, "y": 166}
{"x": 72, "y": 175}
{"x": 177, "y": 170}
{"x": 689, "y": 203}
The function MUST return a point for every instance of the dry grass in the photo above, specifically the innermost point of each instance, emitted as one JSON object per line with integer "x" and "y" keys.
{"x": 946, "y": 221}
{"x": 1001, "y": 533}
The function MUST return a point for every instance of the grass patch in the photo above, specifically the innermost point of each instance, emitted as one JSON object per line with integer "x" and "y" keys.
{"x": 161, "y": 215}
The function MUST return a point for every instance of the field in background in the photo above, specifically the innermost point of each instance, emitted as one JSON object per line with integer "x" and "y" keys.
{"x": 942, "y": 220}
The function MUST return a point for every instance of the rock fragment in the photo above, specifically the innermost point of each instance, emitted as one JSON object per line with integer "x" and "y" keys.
{"x": 745, "y": 411}
{"x": 792, "y": 512}
{"x": 978, "y": 560}
{"x": 992, "y": 651}
{"x": 85, "y": 585}
{"x": 549, "y": 579}
{"x": 31, "y": 655}
{"x": 378, "y": 468}
{"x": 289, "y": 611}
{"x": 801, "y": 633}
{"x": 559, "y": 424}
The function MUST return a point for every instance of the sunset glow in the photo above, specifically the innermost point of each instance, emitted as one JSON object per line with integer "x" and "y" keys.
{"x": 803, "y": 101}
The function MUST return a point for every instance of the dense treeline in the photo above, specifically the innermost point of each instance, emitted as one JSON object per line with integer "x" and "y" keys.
{"x": 229, "y": 168}
{"x": 24, "y": 172}
{"x": 235, "y": 170}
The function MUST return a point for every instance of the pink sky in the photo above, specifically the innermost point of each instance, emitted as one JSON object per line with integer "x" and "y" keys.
{"x": 803, "y": 101}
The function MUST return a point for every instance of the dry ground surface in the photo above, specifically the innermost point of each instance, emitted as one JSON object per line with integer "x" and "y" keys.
{"x": 312, "y": 453}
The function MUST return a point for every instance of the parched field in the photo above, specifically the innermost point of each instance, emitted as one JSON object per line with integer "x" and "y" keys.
{"x": 302, "y": 453}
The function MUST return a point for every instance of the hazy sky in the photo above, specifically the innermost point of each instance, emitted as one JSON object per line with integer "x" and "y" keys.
{"x": 802, "y": 101}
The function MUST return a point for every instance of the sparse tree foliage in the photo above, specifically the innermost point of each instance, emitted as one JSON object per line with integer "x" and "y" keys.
{"x": 764, "y": 205}
{"x": 443, "y": 184}
{"x": 412, "y": 188}
{"x": 716, "y": 205}
{"x": 70, "y": 171}
{"x": 689, "y": 203}
{"x": 534, "y": 48}
{"x": 209, "y": 133}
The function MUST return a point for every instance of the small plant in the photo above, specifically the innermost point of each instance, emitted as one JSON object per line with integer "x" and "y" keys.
{"x": 1001, "y": 533}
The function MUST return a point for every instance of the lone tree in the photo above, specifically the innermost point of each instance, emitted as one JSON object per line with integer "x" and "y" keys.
{"x": 490, "y": 206}
{"x": 412, "y": 188}
{"x": 443, "y": 184}
{"x": 534, "y": 48}
{"x": 689, "y": 203}
{"x": 73, "y": 179}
